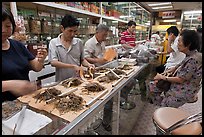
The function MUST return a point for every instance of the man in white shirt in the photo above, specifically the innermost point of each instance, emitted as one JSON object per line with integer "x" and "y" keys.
{"x": 94, "y": 48}
{"x": 66, "y": 53}
{"x": 175, "y": 56}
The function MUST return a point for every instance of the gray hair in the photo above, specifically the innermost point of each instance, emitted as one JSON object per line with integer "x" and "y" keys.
{"x": 102, "y": 27}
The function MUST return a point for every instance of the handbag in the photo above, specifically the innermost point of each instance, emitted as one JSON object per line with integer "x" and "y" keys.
{"x": 164, "y": 85}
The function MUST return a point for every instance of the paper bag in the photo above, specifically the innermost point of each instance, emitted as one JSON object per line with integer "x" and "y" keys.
{"x": 110, "y": 54}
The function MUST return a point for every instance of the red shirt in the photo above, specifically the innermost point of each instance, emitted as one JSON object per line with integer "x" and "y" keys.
{"x": 128, "y": 38}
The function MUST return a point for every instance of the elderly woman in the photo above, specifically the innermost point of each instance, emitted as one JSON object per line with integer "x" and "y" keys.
{"x": 17, "y": 61}
{"x": 186, "y": 83}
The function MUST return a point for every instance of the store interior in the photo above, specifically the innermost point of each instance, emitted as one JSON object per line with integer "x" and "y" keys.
{"x": 40, "y": 23}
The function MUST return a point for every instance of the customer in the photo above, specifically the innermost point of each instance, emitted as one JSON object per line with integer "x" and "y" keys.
{"x": 175, "y": 56}
{"x": 199, "y": 31}
{"x": 127, "y": 38}
{"x": 94, "y": 50}
{"x": 156, "y": 38}
{"x": 17, "y": 61}
{"x": 66, "y": 52}
{"x": 186, "y": 83}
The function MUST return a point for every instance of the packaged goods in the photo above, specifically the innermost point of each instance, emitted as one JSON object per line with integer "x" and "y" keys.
{"x": 46, "y": 26}
{"x": 35, "y": 25}
{"x": 27, "y": 26}
{"x": 56, "y": 26}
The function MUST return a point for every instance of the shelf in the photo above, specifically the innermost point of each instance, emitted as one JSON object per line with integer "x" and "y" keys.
{"x": 64, "y": 7}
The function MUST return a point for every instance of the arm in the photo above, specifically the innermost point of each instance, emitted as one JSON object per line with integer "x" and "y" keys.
{"x": 38, "y": 63}
{"x": 170, "y": 79}
{"x": 96, "y": 60}
{"x": 126, "y": 46}
{"x": 90, "y": 56}
{"x": 58, "y": 64}
{"x": 19, "y": 87}
{"x": 87, "y": 64}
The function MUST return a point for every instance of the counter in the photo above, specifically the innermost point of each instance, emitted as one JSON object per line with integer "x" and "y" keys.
{"x": 59, "y": 126}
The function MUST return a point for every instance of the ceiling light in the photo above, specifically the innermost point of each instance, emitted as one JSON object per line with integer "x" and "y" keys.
{"x": 169, "y": 20}
{"x": 159, "y": 4}
{"x": 164, "y": 7}
{"x": 192, "y": 12}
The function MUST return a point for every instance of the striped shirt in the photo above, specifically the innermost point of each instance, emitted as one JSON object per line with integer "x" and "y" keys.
{"x": 128, "y": 38}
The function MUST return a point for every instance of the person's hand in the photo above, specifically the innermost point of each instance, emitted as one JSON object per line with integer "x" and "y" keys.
{"x": 159, "y": 76}
{"x": 77, "y": 69}
{"x": 41, "y": 54}
{"x": 21, "y": 87}
{"x": 92, "y": 66}
{"x": 170, "y": 38}
{"x": 170, "y": 69}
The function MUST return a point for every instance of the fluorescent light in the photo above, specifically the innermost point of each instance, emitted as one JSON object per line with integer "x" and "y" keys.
{"x": 178, "y": 23}
{"x": 164, "y": 7}
{"x": 159, "y": 4}
{"x": 136, "y": 9}
{"x": 130, "y": 7}
{"x": 169, "y": 20}
{"x": 124, "y": 16}
{"x": 193, "y": 11}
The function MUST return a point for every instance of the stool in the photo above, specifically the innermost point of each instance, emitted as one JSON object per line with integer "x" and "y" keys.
{"x": 174, "y": 121}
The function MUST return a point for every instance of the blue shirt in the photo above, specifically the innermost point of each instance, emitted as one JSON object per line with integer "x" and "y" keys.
{"x": 15, "y": 64}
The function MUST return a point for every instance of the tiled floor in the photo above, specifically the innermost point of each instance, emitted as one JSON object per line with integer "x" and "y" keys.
{"x": 144, "y": 124}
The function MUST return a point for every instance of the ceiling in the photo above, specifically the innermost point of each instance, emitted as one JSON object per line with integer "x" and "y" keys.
{"x": 184, "y": 6}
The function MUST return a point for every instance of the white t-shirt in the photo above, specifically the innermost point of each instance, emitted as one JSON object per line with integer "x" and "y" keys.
{"x": 176, "y": 56}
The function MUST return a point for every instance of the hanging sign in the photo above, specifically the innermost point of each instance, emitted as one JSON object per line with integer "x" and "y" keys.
{"x": 168, "y": 14}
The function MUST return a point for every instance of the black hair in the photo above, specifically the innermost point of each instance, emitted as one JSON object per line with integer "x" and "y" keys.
{"x": 157, "y": 32}
{"x": 199, "y": 30}
{"x": 190, "y": 38}
{"x": 130, "y": 23}
{"x": 174, "y": 30}
{"x": 7, "y": 14}
{"x": 69, "y": 21}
